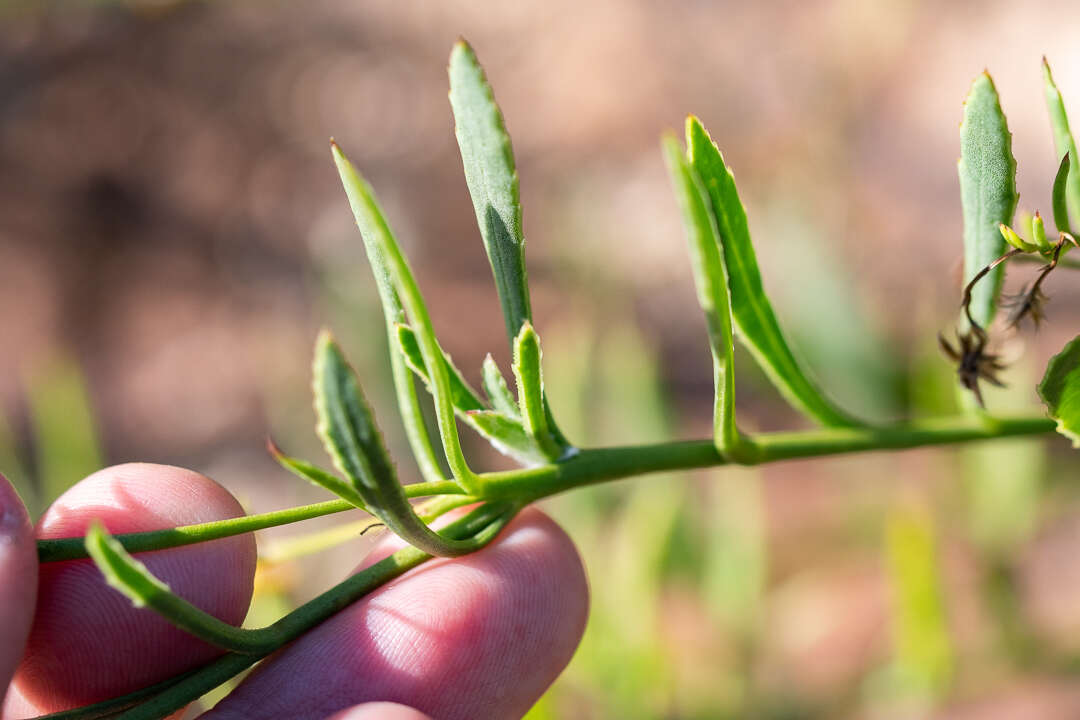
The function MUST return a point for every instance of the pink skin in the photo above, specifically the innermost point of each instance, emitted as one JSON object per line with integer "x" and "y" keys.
{"x": 18, "y": 561}
{"x": 480, "y": 636}
{"x": 88, "y": 643}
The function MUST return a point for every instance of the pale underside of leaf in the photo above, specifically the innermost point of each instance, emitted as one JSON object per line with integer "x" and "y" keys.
{"x": 504, "y": 431}
{"x": 987, "y": 172}
{"x": 755, "y": 320}
{"x": 711, "y": 282}
{"x": 497, "y": 390}
{"x": 1063, "y": 142}
{"x": 463, "y": 396}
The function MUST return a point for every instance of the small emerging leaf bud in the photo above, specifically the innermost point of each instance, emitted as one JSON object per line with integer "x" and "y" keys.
{"x": 1015, "y": 240}
{"x": 1038, "y": 234}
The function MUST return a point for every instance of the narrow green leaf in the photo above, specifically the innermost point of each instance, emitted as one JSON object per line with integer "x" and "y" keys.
{"x": 1059, "y": 195}
{"x": 1063, "y": 142}
{"x": 987, "y": 190}
{"x": 1060, "y": 390}
{"x": 317, "y": 476}
{"x": 530, "y": 387}
{"x": 347, "y": 428}
{"x": 346, "y": 424}
{"x": 130, "y": 577}
{"x": 754, "y": 318}
{"x": 507, "y": 435}
{"x": 497, "y": 390}
{"x": 373, "y": 226}
{"x": 503, "y": 431}
{"x": 463, "y": 396}
{"x": 377, "y": 235}
{"x": 493, "y": 182}
{"x": 711, "y": 282}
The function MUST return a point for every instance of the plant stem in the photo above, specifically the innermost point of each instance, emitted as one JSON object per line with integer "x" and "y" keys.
{"x": 73, "y": 548}
{"x": 602, "y": 464}
{"x": 590, "y": 466}
{"x": 1065, "y": 262}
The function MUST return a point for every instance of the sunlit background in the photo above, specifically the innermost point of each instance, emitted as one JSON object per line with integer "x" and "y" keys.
{"x": 173, "y": 234}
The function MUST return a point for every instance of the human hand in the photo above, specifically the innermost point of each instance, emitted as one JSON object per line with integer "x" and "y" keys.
{"x": 479, "y": 636}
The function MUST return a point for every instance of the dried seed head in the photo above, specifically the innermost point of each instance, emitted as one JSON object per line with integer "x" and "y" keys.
{"x": 1029, "y": 303}
{"x": 972, "y": 361}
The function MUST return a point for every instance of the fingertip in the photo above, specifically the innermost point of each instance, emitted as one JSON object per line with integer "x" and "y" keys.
{"x": 88, "y": 643}
{"x": 18, "y": 580}
{"x": 380, "y": 711}
{"x": 479, "y": 636}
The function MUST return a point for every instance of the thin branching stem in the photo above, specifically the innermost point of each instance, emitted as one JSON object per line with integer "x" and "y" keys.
{"x": 966, "y": 301}
{"x": 54, "y": 550}
{"x": 590, "y": 466}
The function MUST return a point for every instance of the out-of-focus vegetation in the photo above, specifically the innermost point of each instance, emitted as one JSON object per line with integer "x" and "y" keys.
{"x": 171, "y": 235}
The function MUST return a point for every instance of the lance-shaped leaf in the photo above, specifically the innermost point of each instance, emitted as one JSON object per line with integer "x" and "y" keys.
{"x": 493, "y": 181}
{"x": 317, "y": 476}
{"x": 754, "y": 318}
{"x": 376, "y": 234}
{"x": 1063, "y": 142}
{"x": 497, "y": 390}
{"x": 1060, "y": 390}
{"x": 463, "y": 396}
{"x": 502, "y": 430}
{"x": 711, "y": 282}
{"x": 1059, "y": 195}
{"x": 347, "y": 428}
{"x": 530, "y": 387}
{"x": 507, "y": 435}
{"x": 374, "y": 228}
{"x": 129, "y": 576}
{"x": 987, "y": 191}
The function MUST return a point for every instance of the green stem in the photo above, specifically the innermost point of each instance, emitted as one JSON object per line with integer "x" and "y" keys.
{"x": 73, "y": 548}
{"x": 592, "y": 466}
{"x": 368, "y": 213}
{"x": 482, "y": 524}
{"x": 597, "y": 465}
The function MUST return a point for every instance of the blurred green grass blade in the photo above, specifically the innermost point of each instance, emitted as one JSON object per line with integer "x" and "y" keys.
{"x": 376, "y": 234}
{"x": 923, "y": 652}
{"x": 507, "y": 435}
{"x": 65, "y": 436}
{"x": 497, "y": 390}
{"x": 1063, "y": 142}
{"x": 530, "y": 387}
{"x": 736, "y": 549}
{"x": 1060, "y": 390}
{"x": 753, "y": 314}
{"x": 987, "y": 172}
{"x": 711, "y": 282}
{"x": 463, "y": 396}
{"x": 1059, "y": 200}
{"x": 492, "y": 178}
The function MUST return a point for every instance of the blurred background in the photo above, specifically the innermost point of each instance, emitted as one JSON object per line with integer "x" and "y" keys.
{"x": 173, "y": 234}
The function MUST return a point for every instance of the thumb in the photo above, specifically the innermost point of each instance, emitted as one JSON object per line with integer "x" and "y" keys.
{"x": 380, "y": 711}
{"x": 18, "y": 580}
